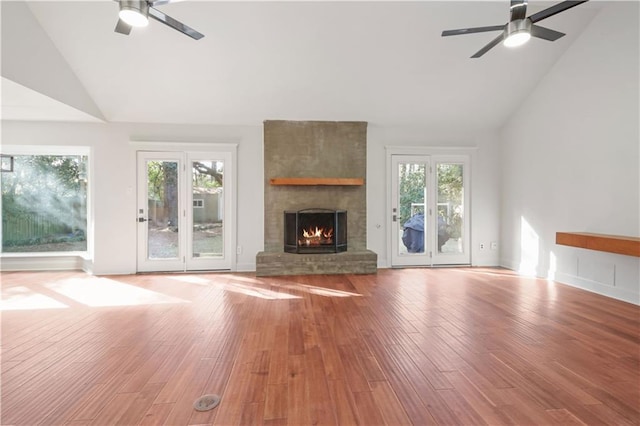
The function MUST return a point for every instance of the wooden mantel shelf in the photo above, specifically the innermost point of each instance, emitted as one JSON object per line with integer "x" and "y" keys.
{"x": 629, "y": 246}
{"x": 317, "y": 181}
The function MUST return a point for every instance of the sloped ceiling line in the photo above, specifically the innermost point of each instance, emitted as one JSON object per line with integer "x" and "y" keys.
{"x": 33, "y": 63}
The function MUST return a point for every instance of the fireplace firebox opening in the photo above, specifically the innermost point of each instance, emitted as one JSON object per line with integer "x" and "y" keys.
{"x": 315, "y": 231}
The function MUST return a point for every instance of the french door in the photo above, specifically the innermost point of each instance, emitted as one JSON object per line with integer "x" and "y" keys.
{"x": 429, "y": 217}
{"x": 185, "y": 211}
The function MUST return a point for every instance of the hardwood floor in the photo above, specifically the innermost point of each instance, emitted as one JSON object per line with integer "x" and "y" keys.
{"x": 412, "y": 346}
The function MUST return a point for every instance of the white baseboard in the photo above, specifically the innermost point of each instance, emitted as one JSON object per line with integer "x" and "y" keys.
{"x": 108, "y": 273}
{"x": 43, "y": 263}
{"x": 508, "y": 264}
{"x": 485, "y": 264}
{"x": 87, "y": 266}
{"x": 599, "y": 288}
{"x": 584, "y": 284}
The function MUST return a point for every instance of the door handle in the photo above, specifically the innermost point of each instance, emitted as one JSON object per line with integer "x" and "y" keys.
{"x": 142, "y": 219}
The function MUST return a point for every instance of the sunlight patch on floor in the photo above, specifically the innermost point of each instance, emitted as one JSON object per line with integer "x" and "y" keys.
{"x": 262, "y": 293}
{"x": 23, "y": 298}
{"x": 320, "y": 291}
{"x": 191, "y": 279}
{"x": 97, "y": 292}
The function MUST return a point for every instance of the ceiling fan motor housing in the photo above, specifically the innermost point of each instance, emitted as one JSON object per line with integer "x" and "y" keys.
{"x": 518, "y": 26}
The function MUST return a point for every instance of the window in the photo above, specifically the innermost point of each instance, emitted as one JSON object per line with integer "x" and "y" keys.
{"x": 44, "y": 200}
{"x": 198, "y": 203}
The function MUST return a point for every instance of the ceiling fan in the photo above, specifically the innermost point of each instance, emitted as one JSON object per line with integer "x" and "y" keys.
{"x": 136, "y": 13}
{"x": 520, "y": 28}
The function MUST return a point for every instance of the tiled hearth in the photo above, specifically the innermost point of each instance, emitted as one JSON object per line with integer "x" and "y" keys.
{"x": 314, "y": 164}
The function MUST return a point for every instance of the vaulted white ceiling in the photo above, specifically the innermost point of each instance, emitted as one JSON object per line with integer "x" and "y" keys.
{"x": 381, "y": 62}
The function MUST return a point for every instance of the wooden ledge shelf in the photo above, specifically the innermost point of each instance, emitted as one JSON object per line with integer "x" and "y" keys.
{"x": 629, "y": 246}
{"x": 317, "y": 181}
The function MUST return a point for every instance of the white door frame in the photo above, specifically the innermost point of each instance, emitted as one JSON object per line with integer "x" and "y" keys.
{"x": 463, "y": 155}
{"x": 188, "y": 152}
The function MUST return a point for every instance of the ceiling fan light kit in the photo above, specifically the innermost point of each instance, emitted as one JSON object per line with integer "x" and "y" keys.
{"x": 134, "y": 13}
{"x": 520, "y": 28}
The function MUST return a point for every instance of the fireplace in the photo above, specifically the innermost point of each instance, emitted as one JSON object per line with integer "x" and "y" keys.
{"x": 301, "y": 152}
{"x": 315, "y": 231}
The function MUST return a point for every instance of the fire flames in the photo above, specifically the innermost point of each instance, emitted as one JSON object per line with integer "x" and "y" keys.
{"x": 317, "y": 236}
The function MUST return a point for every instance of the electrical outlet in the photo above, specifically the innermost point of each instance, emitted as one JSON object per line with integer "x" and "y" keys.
{"x": 239, "y": 250}
{"x": 494, "y": 245}
{"x": 481, "y": 246}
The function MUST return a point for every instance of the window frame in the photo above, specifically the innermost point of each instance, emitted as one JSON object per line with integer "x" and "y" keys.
{"x": 83, "y": 150}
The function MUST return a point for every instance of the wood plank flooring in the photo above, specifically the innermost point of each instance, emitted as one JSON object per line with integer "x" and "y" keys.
{"x": 412, "y": 346}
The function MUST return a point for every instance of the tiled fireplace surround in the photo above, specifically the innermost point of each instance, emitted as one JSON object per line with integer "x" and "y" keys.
{"x": 315, "y": 149}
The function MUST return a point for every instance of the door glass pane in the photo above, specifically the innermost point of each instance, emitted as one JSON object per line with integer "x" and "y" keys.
{"x": 411, "y": 207}
{"x": 450, "y": 208}
{"x": 162, "y": 192}
{"x": 207, "y": 179}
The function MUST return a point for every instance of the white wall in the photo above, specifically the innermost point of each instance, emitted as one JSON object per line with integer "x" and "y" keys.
{"x": 113, "y": 180}
{"x": 570, "y": 159}
{"x": 485, "y": 183}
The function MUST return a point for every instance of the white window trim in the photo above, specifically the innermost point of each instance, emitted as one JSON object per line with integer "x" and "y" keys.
{"x": 46, "y": 150}
{"x": 86, "y": 257}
